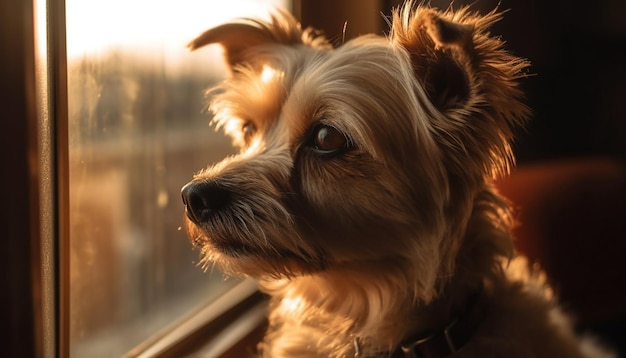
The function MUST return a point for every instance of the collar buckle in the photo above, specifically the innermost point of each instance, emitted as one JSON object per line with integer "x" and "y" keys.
{"x": 444, "y": 340}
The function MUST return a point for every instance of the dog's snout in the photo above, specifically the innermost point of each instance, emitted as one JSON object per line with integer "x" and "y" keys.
{"x": 201, "y": 199}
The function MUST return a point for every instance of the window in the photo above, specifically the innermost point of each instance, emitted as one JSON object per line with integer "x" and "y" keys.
{"x": 137, "y": 131}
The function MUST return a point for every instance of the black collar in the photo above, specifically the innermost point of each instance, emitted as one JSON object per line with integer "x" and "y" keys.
{"x": 452, "y": 338}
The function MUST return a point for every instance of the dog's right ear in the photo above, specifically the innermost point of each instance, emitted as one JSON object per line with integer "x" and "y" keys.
{"x": 441, "y": 51}
{"x": 238, "y": 38}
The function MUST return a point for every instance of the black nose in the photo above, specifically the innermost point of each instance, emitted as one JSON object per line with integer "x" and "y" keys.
{"x": 202, "y": 199}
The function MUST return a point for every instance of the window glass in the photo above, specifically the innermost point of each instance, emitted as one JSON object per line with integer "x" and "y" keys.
{"x": 138, "y": 130}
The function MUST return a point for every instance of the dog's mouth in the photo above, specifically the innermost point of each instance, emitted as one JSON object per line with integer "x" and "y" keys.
{"x": 240, "y": 249}
{"x": 203, "y": 235}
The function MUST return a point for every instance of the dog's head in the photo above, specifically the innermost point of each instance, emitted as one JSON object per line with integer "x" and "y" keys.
{"x": 368, "y": 153}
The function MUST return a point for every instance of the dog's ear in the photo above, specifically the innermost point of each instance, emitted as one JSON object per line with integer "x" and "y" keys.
{"x": 441, "y": 51}
{"x": 236, "y": 38}
{"x": 239, "y": 37}
{"x": 470, "y": 79}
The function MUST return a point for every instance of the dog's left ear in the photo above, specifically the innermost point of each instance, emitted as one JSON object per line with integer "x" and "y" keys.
{"x": 441, "y": 52}
{"x": 239, "y": 38}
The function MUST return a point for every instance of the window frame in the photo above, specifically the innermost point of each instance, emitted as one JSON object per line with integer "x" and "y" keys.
{"x": 15, "y": 132}
{"x": 28, "y": 185}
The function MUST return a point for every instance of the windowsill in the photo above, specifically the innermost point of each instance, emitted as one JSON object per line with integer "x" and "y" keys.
{"x": 216, "y": 330}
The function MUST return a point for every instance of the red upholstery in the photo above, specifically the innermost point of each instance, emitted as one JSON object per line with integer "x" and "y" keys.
{"x": 573, "y": 222}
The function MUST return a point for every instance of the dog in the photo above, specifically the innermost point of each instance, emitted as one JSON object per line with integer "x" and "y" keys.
{"x": 362, "y": 197}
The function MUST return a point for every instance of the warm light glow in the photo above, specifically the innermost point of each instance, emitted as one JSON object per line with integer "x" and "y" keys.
{"x": 267, "y": 74}
{"x": 290, "y": 305}
{"x": 97, "y": 26}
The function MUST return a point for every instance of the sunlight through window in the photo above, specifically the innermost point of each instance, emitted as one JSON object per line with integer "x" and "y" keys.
{"x": 138, "y": 130}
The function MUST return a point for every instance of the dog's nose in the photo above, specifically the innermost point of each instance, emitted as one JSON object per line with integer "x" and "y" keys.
{"x": 201, "y": 199}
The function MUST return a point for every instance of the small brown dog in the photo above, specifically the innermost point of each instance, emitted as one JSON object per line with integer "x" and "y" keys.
{"x": 361, "y": 198}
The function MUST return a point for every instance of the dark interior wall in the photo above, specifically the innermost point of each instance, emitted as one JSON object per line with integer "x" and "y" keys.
{"x": 578, "y": 85}
{"x": 341, "y": 20}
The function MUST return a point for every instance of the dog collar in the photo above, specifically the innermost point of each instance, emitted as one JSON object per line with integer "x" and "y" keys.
{"x": 440, "y": 344}
{"x": 455, "y": 335}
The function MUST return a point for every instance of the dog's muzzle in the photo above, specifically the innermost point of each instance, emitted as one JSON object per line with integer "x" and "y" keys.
{"x": 203, "y": 199}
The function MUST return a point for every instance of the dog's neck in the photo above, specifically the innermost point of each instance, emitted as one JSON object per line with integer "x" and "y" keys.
{"x": 369, "y": 321}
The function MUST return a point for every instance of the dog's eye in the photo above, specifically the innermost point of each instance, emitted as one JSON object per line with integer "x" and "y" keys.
{"x": 327, "y": 139}
{"x": 248, "y": 129}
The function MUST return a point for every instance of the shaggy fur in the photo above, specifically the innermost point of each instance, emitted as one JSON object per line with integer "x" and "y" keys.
{"x": 361, "y": 198}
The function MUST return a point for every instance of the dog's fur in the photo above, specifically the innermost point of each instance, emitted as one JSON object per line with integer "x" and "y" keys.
{"x": 361, "y": 198}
